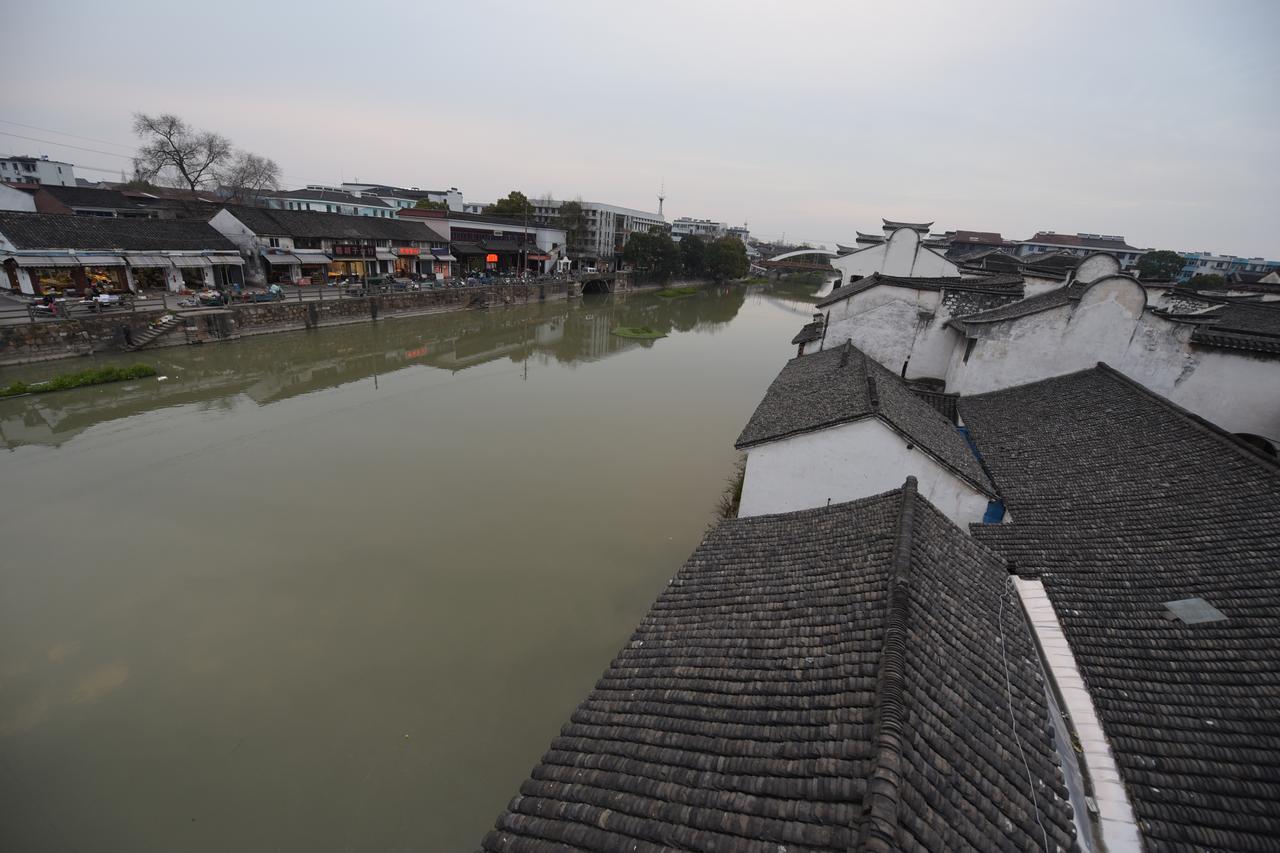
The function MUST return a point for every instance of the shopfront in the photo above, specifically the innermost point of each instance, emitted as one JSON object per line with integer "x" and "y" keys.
{"x": 195, "y": 271}
{"x": 441, "y": 263}
{"x": 36, "y": 275}
{"x": 352, "y": 260}
{"x": 313, "y": 265}
{"x": 150, "y": 272}
{"x": 406, "y": 261}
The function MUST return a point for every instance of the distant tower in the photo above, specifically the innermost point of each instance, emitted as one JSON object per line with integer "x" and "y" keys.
{"x": 662, "y": 196}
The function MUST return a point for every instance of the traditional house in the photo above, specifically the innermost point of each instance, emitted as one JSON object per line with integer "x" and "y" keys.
{"x": 902, "y": 321}
{"x": 902, "y": 252}
{"x": 1145, "y": 543}
{"x": 848, "y": 678}
{"x": 301, "y": 246}
{"x": 54, "y": 253}
{"x": 836, "y": 426}
{"x": 1221, "y": 360}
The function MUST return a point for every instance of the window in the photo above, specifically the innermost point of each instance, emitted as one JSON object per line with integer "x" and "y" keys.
{"x": 274, "y": 242}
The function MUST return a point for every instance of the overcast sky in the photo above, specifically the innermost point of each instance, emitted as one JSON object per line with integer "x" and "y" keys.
{"x": 1157, "y": 121}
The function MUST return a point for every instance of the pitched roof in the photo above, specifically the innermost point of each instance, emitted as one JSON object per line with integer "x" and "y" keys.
{"x": 989, "y": 238}
{"x": 1251, "y": 326}
{"x": 922, "y": 227}
{"x": 841, "y": 385}
{"x": 88, "y": 197}
{"x": 59, "y": 231}
{"x": 812, "y": 331}
{"x": 1003, "y": 284}
{"x": 1088, "y": 241}
{"x": 1122, "y": 501}
{"x": 1056, "y": 261}
{"x": 1031, "y": 305}
{"x": 306, "y": 223}
{"x": 335, "y": 196}
{"x": 831, "y": 679}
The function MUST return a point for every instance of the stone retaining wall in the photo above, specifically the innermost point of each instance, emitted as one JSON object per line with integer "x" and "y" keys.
{"x": 49, "y": 340}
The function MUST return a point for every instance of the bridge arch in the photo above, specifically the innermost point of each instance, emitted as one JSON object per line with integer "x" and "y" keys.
{"x": 801, "y": 252}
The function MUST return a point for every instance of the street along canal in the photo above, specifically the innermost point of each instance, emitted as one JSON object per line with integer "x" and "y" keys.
{"x": 338, "y": 590}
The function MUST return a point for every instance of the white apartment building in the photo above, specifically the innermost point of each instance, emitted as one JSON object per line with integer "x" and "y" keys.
{"x": 704, "y": 228}
{"x": 608, "y": 227}
{"x": 405, "y": 197}
{"x": 36, "y": 170}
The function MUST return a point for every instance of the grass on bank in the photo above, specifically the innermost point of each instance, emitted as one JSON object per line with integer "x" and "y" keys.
{"x": 640, "y": 333}
{"x": 99, "y": 376}
{"x": 675, "y": 292}
{"x": 731, "y": 497}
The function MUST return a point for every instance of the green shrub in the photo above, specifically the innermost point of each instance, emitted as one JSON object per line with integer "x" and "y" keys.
{"x": 98, "y": 376}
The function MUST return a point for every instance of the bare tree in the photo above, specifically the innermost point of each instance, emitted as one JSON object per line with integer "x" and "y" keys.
{"x": 174, "y": 152}
{"x": 248, "y": 176}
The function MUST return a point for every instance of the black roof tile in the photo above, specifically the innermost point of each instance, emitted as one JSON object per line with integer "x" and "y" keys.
{"x": 841, "y": 385}
{"x": 317, "y": 225}
{"x": 1121, "y": 501}
{"x": 832, "y": 679}
{"x": 61, "y": 231}
{"x": 1004, "y": 284}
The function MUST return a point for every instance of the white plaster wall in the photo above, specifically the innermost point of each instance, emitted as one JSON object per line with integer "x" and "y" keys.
{"x": 1034, "y": 285}
{"x": 900, "y": 255}
{"x": 848, "y": 462}
{"x": 1235, "y": 390}
{"x": 11, "y": 199}
{"x": 882, "y": 322}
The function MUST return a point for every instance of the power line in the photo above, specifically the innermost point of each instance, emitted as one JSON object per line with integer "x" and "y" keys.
{"x": 64, "y": 133}
{"x": 67, "y": 145}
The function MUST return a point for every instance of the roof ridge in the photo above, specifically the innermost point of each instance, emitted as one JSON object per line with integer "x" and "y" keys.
{"x": 1202, "y": 424}
{"x": 879, "y": 829}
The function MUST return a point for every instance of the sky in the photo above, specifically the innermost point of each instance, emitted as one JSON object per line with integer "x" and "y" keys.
{"x": 1153, "y": 120}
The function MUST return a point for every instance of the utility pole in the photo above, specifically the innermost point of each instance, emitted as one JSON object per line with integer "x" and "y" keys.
{"x": 662, "y": 197}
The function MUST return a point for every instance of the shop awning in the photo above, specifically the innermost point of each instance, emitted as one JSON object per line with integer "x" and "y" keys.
{"x": 226, "y": 259}
{"x": 282, "y": 259}
{"x": 469, "y": 249}
{"x": 147, "y": 260}
{"x": 502, "y": 246}
{"x": 539, "y": 257}
{"x": 44, "y": 260}
{"x": 384, "y": 255}
{"x": 189, "y": 261}
{"x": 100, "y": 260}
{"x": 311, "y": 258}
{"x": 445, "y": 258}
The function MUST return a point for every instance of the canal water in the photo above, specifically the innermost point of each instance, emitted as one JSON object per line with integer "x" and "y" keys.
{"x": 338, "y": 590}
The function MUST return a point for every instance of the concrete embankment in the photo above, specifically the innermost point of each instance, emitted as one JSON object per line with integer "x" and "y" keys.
{"x": 44, "y": 341}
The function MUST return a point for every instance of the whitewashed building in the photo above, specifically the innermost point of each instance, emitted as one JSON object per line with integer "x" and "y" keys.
{"x": 836, "y": 426}
{"x": 36, "y": 170}
{"x": 901, "y": 253}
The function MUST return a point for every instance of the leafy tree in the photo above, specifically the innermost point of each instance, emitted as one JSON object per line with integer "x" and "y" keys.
{"x": 573, "y": 219}
{"x": 1207, "y": 282}
{"x": 727, "y": 258}
{"x": 654, "y": 253}
{"x": 1163, "y": 265}
{"x": 176, "y": 153}
{"x": 428, "y": 204}
{"x": 693, "y": 255}
{"x": 516, "y": 205}
{"x": 248, "y": 176}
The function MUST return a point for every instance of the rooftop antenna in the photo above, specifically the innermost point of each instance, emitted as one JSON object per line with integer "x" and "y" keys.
{"x": 662, "y": 196}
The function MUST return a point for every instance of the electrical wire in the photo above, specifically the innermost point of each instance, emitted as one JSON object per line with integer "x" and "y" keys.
{"x": 65, "y": 133}
{"x": 67, "y": 145}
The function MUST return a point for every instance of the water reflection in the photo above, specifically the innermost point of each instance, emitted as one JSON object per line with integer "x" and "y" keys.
{"x": 276, "y": 367}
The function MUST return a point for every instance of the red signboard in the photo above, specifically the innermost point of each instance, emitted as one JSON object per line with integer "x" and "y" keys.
{"x": 491, "y": 258}
{"x": 407, "y": 250}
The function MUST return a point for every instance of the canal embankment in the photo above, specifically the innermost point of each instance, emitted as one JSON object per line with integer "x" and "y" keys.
{"x": 121, "y": 332}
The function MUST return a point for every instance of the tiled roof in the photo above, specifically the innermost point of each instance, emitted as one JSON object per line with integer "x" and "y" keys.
{"x": 1251, "y": 326}
{"x": 1000, "y": 283}
{"x": 330, "y": 195}
{"x": 60, "y": 231}
{"x": 88, "y": 197}
{"x": 1057, "y": 261}
{"x": 1031, "y": 305}
{"x": 841, "y": 385}
{"x": 922, "y": 227}
{"x": 1121, "y": 501}
{"x": 812, "y": 331}
{"x": 832, "y": 679}
{"x": 990, "y": 238}
{"x": 305, "y": 223}
{"x": 1082, "y": 240}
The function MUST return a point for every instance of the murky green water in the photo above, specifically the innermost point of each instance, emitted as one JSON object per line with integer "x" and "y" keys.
{"x": 338, "y": 590}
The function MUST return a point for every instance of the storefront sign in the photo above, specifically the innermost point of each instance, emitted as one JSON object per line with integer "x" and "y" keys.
{"x": 408, "y": 250}
{"x": 350, "y": 250}
{"x": 491, "y": 258}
